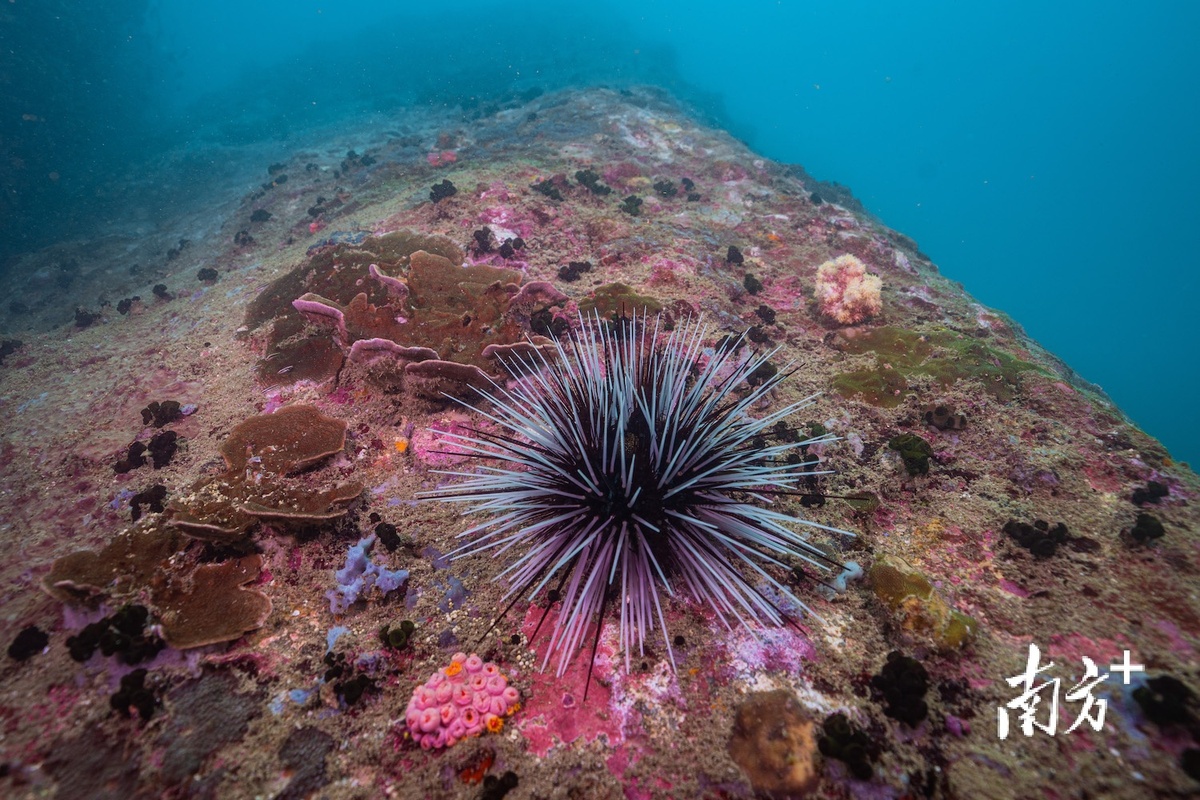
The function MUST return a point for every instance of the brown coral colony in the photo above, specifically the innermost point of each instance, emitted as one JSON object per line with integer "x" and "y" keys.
{"x": 399, "y": 304}
{"x": 440, "y": 325}
{"x": 200, "y": 603}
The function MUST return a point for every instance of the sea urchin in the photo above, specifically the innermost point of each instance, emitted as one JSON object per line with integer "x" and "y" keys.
{"x": 626, "y": 463}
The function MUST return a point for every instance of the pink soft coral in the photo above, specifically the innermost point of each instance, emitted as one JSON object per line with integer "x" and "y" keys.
{"x": 846, "y": 293}
{"x": 463, "y": 699}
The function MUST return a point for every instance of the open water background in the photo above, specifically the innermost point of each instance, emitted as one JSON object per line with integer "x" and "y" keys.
{"x": 1042, "y": 154}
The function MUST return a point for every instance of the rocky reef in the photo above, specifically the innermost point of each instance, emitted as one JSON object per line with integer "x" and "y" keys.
{"x": 185, "y": 474}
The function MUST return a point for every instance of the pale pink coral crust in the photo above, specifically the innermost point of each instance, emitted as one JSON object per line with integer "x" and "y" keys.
{"x": 464, "y": 699}
{"x": 846, "y": 292}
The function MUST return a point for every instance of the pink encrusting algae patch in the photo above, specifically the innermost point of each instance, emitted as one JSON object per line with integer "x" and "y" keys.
{"x": 555, "y": 713}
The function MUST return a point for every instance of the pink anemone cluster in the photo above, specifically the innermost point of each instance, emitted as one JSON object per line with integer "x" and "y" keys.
{"x": 463, "y": 699}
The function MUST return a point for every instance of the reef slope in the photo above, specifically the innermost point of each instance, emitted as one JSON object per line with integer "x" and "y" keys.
{"x": 998, "y": 500}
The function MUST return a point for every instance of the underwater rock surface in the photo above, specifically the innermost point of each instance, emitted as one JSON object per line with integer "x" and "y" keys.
{"x": 998, "y": 501}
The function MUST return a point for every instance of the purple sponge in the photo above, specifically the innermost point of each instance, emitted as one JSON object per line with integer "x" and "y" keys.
{"x": 357, "y": 578}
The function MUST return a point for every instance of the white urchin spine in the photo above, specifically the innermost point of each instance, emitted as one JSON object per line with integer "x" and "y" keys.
{"x": 626, "y": 468}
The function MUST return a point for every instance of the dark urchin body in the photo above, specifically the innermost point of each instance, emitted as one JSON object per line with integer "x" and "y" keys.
{"x": 622, "y": 466}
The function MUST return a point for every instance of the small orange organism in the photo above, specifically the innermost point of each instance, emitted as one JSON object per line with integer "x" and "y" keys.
{"x": 452, "y": 670}
{"x": 495, "y": 724}
{"x": 475, "y": 771}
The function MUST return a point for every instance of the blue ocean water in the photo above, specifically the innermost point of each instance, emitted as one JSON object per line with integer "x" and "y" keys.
{"x": 1042, "y": 154}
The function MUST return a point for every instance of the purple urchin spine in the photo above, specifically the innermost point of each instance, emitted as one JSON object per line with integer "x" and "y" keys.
{"x": 624, "y": 467}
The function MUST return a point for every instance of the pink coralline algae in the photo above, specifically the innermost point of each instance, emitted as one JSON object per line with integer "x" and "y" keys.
{"x": 463, "y": 699}
{"x": 846, "y": 293}
{"x": 442, "y": 158}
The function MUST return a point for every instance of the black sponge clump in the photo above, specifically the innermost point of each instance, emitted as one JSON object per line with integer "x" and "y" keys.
{"x": 632, "y": 205}
{"x": 389, "y": 536}
{"x": 573, "y": 270}
{"x": 842, "y": 740}
{"x": 353, "y": 689}
{"x": 123, "y": 634}
{"x": 1038, "y": 538}
{"x": 163, "y": 447}
{"x": 29, "y": 642}
{"x": 134, "y": 458}
{"x": 152, "y": 497}
{"x": 544, "y": 323}
{"x": 133, "y": 694}
{"x": 734, "y": 256}
{"x": 1165, "y": 700}
{"x": 752, "y": 284}
{"x": 1152, "y": 493}
{"x": 160, "y": 414}
{"x": 591, "y": 180}
{"x": 1147, "y": 529}
{"x": 497, "y": 788}
{"x": 483, "y": 240}
{"x": 84, "y": 318}
{"x": 440, "y": 191}
{"x": 548, "y": 188}
{"x": 347, "y": 685}
{"x": 902, "y": 683}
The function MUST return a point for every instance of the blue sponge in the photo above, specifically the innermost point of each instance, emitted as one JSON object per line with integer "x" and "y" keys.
{"x": 356, "y": 579}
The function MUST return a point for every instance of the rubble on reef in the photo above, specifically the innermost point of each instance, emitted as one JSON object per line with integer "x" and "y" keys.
{"x": 219, "y": 492}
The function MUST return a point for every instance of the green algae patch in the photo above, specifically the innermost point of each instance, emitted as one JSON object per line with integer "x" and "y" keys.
{"x": 999, "y": 372}
{"x": 894, "y": 346}
{"x": 943, "y": 355}
{"x": 915, "y": 452}
{"x": 618, "y": 299}
{"x": 882, "y": 387}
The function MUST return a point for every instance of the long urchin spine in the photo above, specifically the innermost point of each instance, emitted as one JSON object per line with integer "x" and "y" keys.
{"x": 623, "y": 465}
